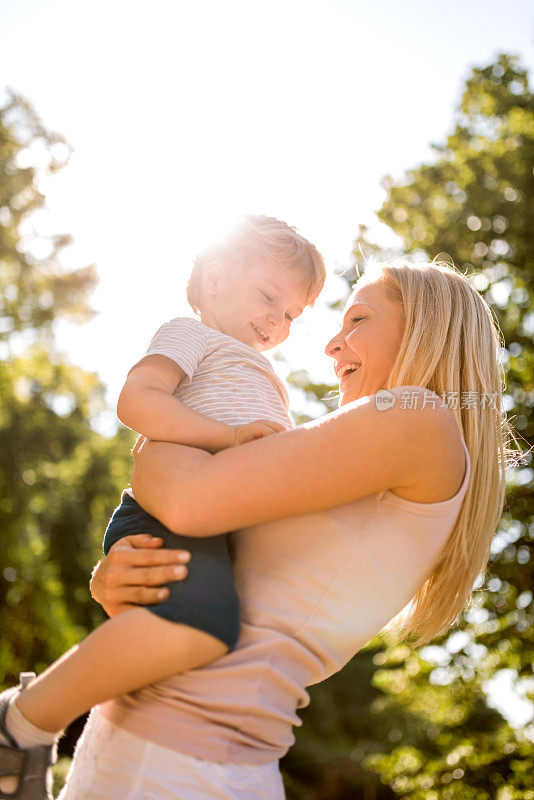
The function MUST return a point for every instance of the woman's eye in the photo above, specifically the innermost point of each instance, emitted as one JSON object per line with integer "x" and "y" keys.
{"x": 267, "y": 297}
{"x": 289, "y": 318}
{"x": 356, "y": 319}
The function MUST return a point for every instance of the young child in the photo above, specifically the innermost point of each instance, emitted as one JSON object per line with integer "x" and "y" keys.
{"x": 204, "y": 384}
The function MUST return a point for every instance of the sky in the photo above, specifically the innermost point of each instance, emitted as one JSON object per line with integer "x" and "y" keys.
{"x": 185, "y": 115}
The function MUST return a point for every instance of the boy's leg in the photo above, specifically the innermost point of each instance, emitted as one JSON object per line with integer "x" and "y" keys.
{"x": 132, "y": 650}
{"x": 197, "y": 623}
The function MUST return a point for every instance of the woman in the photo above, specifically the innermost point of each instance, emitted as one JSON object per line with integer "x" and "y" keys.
{"x": 389, "y": 503}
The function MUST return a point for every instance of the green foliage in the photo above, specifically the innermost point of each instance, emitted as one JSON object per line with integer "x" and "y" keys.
{"x": 59, "y": 479}
{"x": 59, "y": 771}
{"x": 33, "y": 285}
{"x": 422, "y": 723}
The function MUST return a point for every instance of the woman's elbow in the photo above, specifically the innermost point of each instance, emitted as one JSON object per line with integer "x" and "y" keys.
{"x": 178, "y": 516}
{"x": 183, "y": 519}
{"x": 179, "y": 522}
{"x": 156, "y": 502}
{"x": 168, "y": 515}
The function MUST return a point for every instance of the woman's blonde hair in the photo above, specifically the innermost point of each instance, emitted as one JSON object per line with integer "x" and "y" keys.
{"x": 259, "y": 238}
{"x": 451, "y": 346}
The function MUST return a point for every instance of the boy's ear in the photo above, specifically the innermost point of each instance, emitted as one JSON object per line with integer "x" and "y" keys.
{"x": 213, "y": 278}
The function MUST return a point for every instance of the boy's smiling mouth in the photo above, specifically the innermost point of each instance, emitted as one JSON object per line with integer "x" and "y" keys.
{"x": 261, "y": 334}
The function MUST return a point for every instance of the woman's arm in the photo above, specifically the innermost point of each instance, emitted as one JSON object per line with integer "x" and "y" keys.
{"x": 351, "y": 453}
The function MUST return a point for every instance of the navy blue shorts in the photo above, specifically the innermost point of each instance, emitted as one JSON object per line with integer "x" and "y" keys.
{"x": 206, "y": 599}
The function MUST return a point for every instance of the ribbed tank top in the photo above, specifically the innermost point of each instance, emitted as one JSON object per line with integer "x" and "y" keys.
{"x": 314, "y": 589}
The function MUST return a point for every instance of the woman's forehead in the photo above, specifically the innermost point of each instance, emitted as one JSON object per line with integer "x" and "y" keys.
{"x": 365, "y": 294}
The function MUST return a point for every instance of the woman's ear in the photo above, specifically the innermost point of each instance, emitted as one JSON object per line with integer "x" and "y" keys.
{"x": 213, "y": 278}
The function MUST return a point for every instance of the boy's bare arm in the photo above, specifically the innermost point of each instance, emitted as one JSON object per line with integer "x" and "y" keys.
{"x": 146, "y": 404}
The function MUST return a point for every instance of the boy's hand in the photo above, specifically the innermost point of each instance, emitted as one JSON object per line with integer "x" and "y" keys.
{"x": 255, "y": 430}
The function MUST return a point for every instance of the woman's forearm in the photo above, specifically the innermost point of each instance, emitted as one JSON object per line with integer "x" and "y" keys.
{"x": 349, "y": 454}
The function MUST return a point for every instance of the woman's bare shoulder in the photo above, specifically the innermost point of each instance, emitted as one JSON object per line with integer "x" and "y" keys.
{"x": 436, "y": 444}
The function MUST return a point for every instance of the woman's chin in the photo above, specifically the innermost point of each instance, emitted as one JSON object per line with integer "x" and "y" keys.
{"x": 350, "y": 394}
{"x": 351, "y": 387}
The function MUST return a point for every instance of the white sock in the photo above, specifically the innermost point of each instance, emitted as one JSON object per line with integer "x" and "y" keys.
{"x": 24, "y": 732}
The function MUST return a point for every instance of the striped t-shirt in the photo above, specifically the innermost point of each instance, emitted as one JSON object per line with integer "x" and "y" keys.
{"x": 225, "y": 379}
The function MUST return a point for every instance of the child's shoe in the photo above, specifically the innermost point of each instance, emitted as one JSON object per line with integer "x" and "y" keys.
{"x": 30, "y": 767}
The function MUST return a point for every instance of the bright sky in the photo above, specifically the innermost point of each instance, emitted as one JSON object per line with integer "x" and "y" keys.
{"x": 185, "y": 115}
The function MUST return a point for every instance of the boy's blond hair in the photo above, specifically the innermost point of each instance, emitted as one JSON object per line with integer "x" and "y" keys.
{"x": 259, "y": 238}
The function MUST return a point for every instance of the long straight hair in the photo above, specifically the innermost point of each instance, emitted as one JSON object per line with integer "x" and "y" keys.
{"x": 451, "y": 346}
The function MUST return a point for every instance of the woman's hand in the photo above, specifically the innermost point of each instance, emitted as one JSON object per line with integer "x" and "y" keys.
{"x": 134, "y": 573}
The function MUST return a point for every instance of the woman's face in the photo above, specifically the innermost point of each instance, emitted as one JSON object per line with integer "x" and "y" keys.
{"x": 366, "y": 347}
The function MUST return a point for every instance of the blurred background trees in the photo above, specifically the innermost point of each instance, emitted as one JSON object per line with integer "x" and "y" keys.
{"x": 396, "y": 722}
{"x": 59, "y": 478}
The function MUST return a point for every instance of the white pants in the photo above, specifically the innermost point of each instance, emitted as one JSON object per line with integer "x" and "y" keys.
{"x": 112, "y": 764}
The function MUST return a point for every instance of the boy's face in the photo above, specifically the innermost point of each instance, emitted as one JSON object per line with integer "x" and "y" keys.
{"x": 256, "y": 304}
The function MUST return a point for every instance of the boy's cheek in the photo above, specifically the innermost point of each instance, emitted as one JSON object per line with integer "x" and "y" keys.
{"x": 282, "y": 337}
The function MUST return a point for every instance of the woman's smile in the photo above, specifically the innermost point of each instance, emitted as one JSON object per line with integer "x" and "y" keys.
{"x": 344, "y": 369}
{"x": 367, "y": 345}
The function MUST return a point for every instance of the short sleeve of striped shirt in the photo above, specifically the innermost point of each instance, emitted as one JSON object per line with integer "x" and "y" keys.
{"x": 183, "y": 340}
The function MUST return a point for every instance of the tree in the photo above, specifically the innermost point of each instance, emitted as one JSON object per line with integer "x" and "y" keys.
{"x": 34, "y": 288}
{"x": 424, "y": 724}
{"x": 59, "y": 479}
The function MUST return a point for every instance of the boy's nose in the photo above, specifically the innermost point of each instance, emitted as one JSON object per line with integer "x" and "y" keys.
{"x": 276, "y": 317}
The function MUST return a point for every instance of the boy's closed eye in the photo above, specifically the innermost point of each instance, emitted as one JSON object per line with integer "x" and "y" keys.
{"x": 289, "y": 316}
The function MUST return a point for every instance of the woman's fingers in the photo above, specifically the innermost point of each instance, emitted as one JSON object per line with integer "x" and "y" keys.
{"x": 156, "y": 576}
{"x": 131, "y": 551}
{"x": 154, "y": 558}
{"x": 127, "y": 566}
{"x": 135, "y": 572}
{"x": 142, "y": 540}
{"x": 117, "y": 598}
{"x": 142, "y": 595}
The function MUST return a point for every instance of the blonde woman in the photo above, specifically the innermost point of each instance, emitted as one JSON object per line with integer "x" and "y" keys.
{"x": 389, "y": 503}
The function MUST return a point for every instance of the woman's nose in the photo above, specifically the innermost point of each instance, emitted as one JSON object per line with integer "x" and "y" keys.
{"x": 334, "y": 346}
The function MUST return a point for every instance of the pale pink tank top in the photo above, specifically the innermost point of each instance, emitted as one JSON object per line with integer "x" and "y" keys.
{"x": 314, "y": 589}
